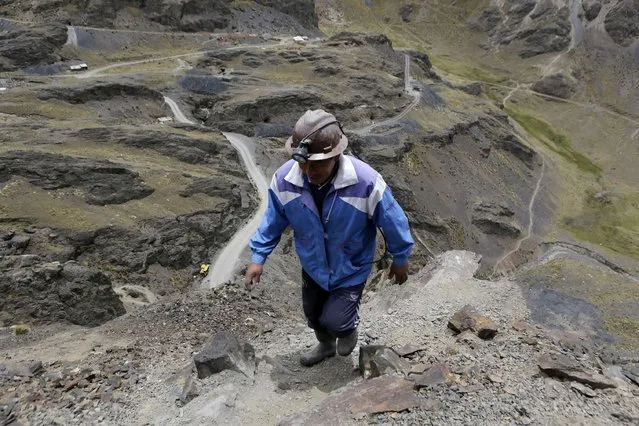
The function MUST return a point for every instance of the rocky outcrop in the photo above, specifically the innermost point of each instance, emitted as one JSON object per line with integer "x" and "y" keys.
{"x": 225, "y": 352}
{"x": 187, "y": 149}
{"x": 25, "y": 47}
{"x": 54, "y": 292}
{"x": 101, "y": 182}
{"x": 100, "y": 92}
{"x": 188, "y": 16}
{"x": 496, "y": 219}
{"x": 542, "y": 26}
{"x": 557, "y": 85}
{"x": 622, "y": 22}
{"x": 287, "y": 106}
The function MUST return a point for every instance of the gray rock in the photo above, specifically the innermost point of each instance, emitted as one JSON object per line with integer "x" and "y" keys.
{"x": 102, "y": 182}
{"x": 495, "y": 219}
{"x": 19, "y": 242}
{"x": 52, "y": 292}
{"x": 592, "y": 11}
{"x": 225, "y": 352}
{"x": 25, "y": 47}
{"x": 468, "y": 318}
{"x": 557, "y": 85}
{"x": 582, "y": 389}
{"x": 378, "y": 360}
{"x": 435, "y": 375}
{"x": 405, "y": 12}
{"x": 379, "y": 395}
{"x": 326, "y": 70}
{"x": 632, "y": 373}
{"x": 622, "y": 22}
{"x": 563, "y": 367}
{"x": 189, "y": 391}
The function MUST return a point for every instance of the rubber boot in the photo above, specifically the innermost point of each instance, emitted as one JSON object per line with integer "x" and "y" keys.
{"x": 325, "y": 349}
{"x": 346, "y": 345}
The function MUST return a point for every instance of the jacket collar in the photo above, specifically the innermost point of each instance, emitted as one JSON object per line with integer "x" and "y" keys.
{"x": 346, "y": 174}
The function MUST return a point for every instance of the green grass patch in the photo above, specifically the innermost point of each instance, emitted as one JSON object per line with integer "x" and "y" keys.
{"x": 626, "y": 328}
{"x": 469, "y": 72}
{"x": 557, "y": 142}
{"x": 613, "y": 224}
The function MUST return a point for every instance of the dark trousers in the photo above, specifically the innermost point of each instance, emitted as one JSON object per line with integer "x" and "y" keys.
{"x": 336, "y": 312}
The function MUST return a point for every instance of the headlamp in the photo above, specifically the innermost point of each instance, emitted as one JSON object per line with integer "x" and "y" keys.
{"x": 300, "y": 154}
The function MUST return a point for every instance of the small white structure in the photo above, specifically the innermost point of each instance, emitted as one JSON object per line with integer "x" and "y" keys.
{"x": 300, "y": 39}
{"x": 79, "y": 67}
{"x": 3, "y": 89}
{"x": 165, "y": 119}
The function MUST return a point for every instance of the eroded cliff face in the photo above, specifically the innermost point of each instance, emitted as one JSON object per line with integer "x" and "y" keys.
{"x": 171, "y": 15}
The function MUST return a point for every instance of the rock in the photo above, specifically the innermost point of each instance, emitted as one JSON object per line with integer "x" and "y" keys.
{"x": 495, "y": 378}
{"x": 189, "y": 391}
{"x": 625, "y": 417}
{"x": 469, "y": 319}
{"x": 378, "y": 360}
{"x": 326, "y": 70}
{"x": 584, "y": 390}
{"x": 408, "y": 349}
{"x": 8, "y": 412}
{"x": 592, "y": 11}
{"x": 557, "y": 85}
{"x": 225, "y": 352}
{"x": 418, "y": 368}
{"x": 622, "y": 22}
{"x": 563, "y": 367}
{"x": 435, "y": 375}
{"x": 19, "y": 242}
{"x": 473, "y": 89}
{"x": 405, "y": 12}
{"x": 19, "y": 261}
{"x": 53, "y": 292}
{"x": 489, "y": 19}
{"x": 102, "y": 182}
{"x": 378, "y": 395}
{"x": 32, "y": 46}
{"x": 632, "y": 373}
{"x": 6, "y": 236}
{"x": 495, "y": 219}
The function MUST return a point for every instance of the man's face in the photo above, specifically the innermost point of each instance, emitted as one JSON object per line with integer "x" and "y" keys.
{"x": 318, "y": 171}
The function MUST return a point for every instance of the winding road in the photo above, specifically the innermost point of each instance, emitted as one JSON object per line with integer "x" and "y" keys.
{"x": 531, "y": 221}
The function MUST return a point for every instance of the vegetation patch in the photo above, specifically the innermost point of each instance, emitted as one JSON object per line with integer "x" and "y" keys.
{"x": 471, "y": 73}
{"x": 610, "y": 223}
{"x": 557, "y": 142}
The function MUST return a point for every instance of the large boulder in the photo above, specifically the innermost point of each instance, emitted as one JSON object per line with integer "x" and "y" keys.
{"x": 53, "y": 292}
{"x": 225, "y": 352}
{"x": 557, "y": 85}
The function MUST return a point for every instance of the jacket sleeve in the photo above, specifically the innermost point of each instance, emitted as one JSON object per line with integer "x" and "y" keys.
{"x": 389, "y": 216}
{"x": 270, "y": 230}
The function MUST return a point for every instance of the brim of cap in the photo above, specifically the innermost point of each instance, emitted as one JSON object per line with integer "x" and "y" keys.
{"x": 339, "y": 148}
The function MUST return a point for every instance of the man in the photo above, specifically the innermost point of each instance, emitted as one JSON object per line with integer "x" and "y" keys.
{"x": 334, "y": 203}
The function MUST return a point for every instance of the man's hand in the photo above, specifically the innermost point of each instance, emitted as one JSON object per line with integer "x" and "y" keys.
{"x": 253, "y": 274}
{"x": 399, "y": 272}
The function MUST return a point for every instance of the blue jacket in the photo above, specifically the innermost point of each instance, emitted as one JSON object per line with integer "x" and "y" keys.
{"x": 339, "y": 251}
